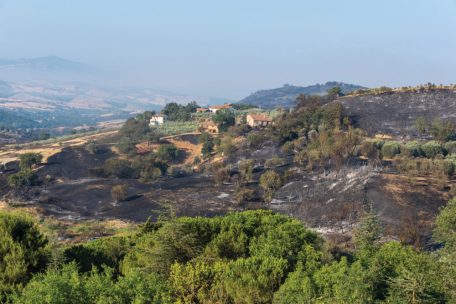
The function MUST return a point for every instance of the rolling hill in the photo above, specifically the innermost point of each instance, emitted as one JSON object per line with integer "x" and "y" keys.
{"x": 286, "y": 95}
{"x": 53, "y": 63}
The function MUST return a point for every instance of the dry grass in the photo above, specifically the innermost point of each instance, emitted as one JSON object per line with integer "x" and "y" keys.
{"x": 191, "y": 149}
{"x": 400, "y": 184}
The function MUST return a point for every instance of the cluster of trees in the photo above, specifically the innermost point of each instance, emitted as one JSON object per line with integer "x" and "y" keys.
{"x": 315, "y": 132}
{"x": 312, "y": 114}
{"x": 178, "y": 112}
{"x": 420, "y": 158}
{"x": 245, "y": 257}
{"x": 437, "y": 128}
{"x": 145, "y": 166}
{"x": 224, "y": 118}
{"x": 224, "y": 145}
{"x": 416, "y": 89}
{"x": 26, "y": 176}
{"x": 427, "y": 149}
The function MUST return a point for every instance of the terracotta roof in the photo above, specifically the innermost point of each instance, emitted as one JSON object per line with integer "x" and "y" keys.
{"x": 259, "y": 117}
{"x": 225, "y": 106}
{"x": 201, "y": 109}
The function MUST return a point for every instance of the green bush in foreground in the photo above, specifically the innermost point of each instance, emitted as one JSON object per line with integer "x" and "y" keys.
{"x": 22, "y": 251}
{"x": 244, "y": 257}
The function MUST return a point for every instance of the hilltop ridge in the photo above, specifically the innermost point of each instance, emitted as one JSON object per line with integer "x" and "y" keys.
{"x": 285, "y": 96}
{"x": 395, "y": 111}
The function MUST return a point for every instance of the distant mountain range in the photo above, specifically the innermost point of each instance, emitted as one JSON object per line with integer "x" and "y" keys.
{"x": 48, "y": 63}
{"x": 286, "y": 95}
{"x": 47, "y": 96}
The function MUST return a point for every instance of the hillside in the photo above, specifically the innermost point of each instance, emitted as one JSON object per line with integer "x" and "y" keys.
{"x": 286, "y": 95}
{"x": 396, "y": 112}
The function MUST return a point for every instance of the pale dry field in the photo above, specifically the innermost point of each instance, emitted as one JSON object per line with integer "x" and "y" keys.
{"x": 11, "y": 153}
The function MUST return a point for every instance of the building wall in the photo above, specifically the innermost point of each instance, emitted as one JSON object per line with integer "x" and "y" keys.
{"x": 157, "y": 120}
{"x": 257, "y": 123}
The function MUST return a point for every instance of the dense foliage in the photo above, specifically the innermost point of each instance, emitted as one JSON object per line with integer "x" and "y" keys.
{"x": 23, "y": 252}
{"x": 175, "y": 111}
{"x": 247, "y": 257}
{"x": 224, "y": 119}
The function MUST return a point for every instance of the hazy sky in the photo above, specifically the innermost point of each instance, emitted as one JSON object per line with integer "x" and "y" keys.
{"x": 229, "y": 48}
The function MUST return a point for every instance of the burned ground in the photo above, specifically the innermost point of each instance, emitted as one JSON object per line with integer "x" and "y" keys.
{"x": 330, "y": 202}
{"x": 396, "y": 113}
{"x": 74, "y": 163}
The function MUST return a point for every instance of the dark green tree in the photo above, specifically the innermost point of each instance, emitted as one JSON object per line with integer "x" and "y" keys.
{"x": 224, "y": 119}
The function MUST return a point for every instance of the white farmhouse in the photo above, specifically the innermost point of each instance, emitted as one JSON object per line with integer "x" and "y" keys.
{"x": 158, "y": 119}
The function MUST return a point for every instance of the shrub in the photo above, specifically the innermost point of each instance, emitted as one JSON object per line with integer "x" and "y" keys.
{"x": 98, "y": 172}
{"x": 312, "y": 135}
{"x": 422, "y": 125}
{"x": 256, "y": 140}
{"x": 176, "y": 171}
{"x": 448, "y": 168}
{"x": 127, "y": 146}
{"x": 204, "y": 137}
{"x": 411, "y": 149}
{"x": 379, "y": 144}
{"x": 119, "y": 167}
{"x": 134, "y": 129}
{"x": 288, "y": 147}
{"x": 370, "y": 150}
{"x": 301, "y": 157}
{"x": 23, "y": 178}
{"x": 224, "y": 118}
{"x": 450, "y": 147}
{"x": 222, "y": 175}
{"x": 442, "y": 130}
{"x": 432, "y": 148}
{"x": 239, "y": 130}
{"x": 147, "y": 162}
{"x": 168, "y": 152}
{"x": 208, "y": 144}
{"x": 28, "y": 160}
{"x": 226, "y": 146}
{"x": 92, "y": 147}
{"x": 119, "y": 192}
{"x": 207, "y": 149}
{"x": 391, "y": 149}
{"x": 244, "y": 195}
{"x": 246, "y": 170}
{"x": 270, "y": 181}
{"x": 149, "y": 173}
{"x": 22, "y": 251}
{"x": 273, "y": 162}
